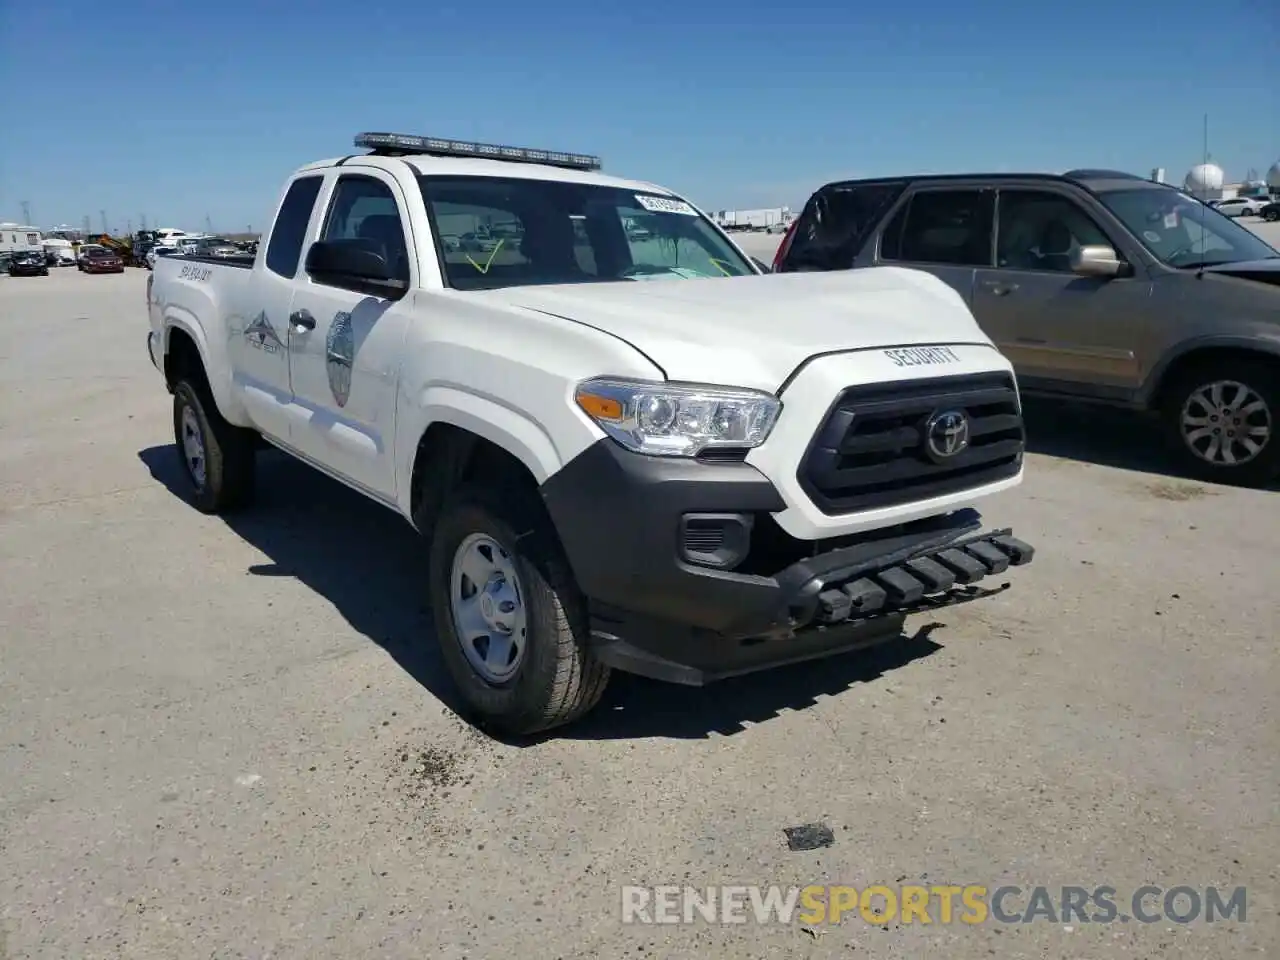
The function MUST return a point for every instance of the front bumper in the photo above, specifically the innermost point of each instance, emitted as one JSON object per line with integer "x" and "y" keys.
{"x": 624, "y": 521}
{"x": 28, "y": 271}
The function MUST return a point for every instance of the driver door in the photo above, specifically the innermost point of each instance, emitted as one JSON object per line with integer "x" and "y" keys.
{"x": 345, "y": 345}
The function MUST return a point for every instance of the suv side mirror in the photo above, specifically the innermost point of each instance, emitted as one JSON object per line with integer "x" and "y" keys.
{"x": 1096, "y": 261}
{"x": 351, "y": 264}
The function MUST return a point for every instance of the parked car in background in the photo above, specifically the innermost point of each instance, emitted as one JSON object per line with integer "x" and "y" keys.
{"x": 1097, "y": 285}
{"x": 217, "y": 247}
{"x": 1240, "y": 206}
{"x": 1270, "y": 211}
{"x": 102, "y": 260}
{"x": 28, "y": 263}
{"x": 160, "y": 251}
{"x": 82, "y": 255}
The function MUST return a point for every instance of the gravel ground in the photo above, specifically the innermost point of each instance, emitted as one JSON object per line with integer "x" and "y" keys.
{"x": 232, "y": 738}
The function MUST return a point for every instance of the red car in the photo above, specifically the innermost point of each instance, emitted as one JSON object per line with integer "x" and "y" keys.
{"x": 102, "y": 261}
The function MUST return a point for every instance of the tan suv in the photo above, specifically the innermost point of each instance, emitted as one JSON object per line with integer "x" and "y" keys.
{"x": 1097, "y": 285}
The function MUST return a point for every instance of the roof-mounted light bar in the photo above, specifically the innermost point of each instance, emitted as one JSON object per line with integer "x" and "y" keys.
{"x": 401, "y": 144}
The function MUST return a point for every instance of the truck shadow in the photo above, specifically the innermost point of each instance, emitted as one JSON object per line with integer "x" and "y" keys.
{"x": 368, "y": 563}
{"x": 1100, "y": 435}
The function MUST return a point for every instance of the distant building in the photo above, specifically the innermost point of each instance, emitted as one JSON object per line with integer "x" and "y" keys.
{"x": 1205, "y": 181}
{"x": 1273, "y": 177}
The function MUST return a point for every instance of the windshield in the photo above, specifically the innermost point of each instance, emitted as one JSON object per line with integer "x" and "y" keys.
{"x": 1183, "y": 232}
{"x": 504, "y": 232}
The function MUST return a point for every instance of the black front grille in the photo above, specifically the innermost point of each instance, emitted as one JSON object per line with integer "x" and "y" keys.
{"x": 871, "y": 451}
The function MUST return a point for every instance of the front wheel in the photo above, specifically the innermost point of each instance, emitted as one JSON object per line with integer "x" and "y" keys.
{"x": 217, "y": 457}
{"x": 1222, "y": 418}
{"x": 511, "y": 623}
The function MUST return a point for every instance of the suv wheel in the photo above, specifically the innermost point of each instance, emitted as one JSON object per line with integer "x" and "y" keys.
{"x": 217, "y": 458}
{"x": 1224, "y": 418}
{"x": 509, "y": 618}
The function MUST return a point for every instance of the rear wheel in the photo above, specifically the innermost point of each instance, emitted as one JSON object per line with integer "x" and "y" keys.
{"x": 1222, "y": 418}
{"x": 511, "y": 623}
{"x": 217, "y": 458}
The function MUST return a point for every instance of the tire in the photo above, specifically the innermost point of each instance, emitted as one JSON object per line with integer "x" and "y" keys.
{"x": 1271, "y": 216}
{"x": 555, "y": 678}
{"x": 1191, "y": 392}
{"x": 227, "y": 480}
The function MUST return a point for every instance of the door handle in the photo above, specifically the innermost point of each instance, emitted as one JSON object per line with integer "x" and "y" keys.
{"x": 302, "y": 320}
{"x": 999, "y": 287}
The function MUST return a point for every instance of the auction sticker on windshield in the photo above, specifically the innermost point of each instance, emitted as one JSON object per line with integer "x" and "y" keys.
{"x": 665, "y": 205}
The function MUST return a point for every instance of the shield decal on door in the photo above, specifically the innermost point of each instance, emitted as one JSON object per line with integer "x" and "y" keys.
{"x": 340, "y": 348}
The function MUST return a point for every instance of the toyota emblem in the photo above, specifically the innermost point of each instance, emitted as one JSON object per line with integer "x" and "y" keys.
{"x": 946, "y": 434}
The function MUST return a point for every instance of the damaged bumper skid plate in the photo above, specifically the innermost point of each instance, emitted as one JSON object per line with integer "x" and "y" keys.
{"x": 920, "y": 579}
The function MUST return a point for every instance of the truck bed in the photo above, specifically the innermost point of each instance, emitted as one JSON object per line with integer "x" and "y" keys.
{"x": 243, "y": 261}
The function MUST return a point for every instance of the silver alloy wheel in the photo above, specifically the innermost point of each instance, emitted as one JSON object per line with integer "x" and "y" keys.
{"x": 1226, "y": 423}
{"x": 488, "y": 608}
{"x": 193, "y": 446}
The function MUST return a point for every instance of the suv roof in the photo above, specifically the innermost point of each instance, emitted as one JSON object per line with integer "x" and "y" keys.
{"x": 1096, "y": 180}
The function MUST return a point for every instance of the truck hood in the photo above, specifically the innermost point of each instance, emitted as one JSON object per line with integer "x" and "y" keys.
{"x": 1264, "y": 271}
{"x": 755, "y": 331}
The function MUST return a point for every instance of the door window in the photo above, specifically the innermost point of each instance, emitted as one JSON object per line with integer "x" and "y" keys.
{"x": 944, "y": 227}
{"x": 290, "y": 229}
{"x": 836, "y": 222}
{"x": 1039, "y": 230}
{"x": 364, "y": 212}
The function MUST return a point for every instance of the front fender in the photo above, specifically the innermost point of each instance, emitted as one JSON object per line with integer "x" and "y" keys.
{"x": 510, "y": 429}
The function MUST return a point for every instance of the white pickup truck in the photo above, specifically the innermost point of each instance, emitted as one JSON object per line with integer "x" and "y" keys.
{"x": 625, "y": 448}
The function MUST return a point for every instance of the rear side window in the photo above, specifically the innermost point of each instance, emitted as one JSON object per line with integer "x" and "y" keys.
{"x": 942, "y": 226}
{"x": 836, "y": 223}
{"x": 290, "y": 229}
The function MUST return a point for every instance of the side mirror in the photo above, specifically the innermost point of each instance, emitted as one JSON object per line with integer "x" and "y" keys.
{"x": 1096, "y": 261}
{"x": 763, "y": 267}
{"x": 345, "y": 263}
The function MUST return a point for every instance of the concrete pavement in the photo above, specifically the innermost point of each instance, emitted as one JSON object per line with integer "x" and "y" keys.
{"x": 232, "y": 739}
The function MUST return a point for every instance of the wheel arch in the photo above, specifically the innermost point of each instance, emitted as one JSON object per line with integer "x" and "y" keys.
{"x": 458, "y": 443}
{"x": 1202, "y": 351}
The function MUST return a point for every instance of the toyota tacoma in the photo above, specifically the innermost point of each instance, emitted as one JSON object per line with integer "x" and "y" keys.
{"x": 625, "y": 445}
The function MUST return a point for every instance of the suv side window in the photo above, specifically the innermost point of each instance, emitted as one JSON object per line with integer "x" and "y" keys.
{"x": 835, "y": 224}
{"x": 364, "y": 211}
{"x": 1038, "y": 230}
{"x": 290, "y": 228}
{"x": 944, "y": 227}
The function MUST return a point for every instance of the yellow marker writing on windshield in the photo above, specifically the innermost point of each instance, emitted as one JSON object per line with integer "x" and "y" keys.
{"x": 720, "y": 265}
{"x": 488, "y": 263}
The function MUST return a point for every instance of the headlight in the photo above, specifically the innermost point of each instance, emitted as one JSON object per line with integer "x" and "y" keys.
{"x": 677, "y": 420}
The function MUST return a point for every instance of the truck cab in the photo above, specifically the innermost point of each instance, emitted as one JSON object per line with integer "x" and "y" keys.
{"x": 623, "y": 451}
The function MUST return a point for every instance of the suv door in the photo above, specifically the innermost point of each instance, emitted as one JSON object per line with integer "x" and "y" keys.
{"x": 943, "y": 230}
{"x": 1063, "y": 333}
{"x": 345, "y": 344}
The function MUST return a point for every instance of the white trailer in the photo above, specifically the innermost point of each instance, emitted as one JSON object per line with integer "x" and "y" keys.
{"x": 753, "y": 219}
{"x": 19, "y": 236}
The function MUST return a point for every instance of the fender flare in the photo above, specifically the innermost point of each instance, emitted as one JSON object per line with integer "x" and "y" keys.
{"x": 486, "y": 417}
{"x": 1156, "y": 377}
{"x": 179, "y": 319}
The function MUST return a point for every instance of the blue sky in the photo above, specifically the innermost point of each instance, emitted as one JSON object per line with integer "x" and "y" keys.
{"x": 180, "y": 110}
